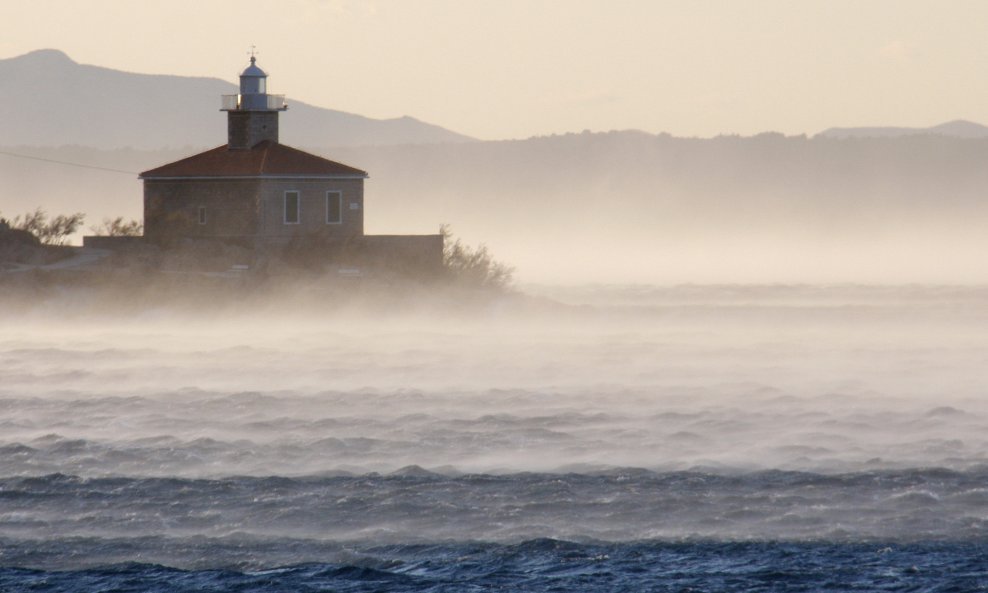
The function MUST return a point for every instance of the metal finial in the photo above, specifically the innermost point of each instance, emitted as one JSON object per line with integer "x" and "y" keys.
{"x": 253, "y": 52}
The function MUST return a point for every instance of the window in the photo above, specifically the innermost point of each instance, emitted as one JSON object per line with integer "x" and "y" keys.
{"x": 202, "y": 215}
{"x": 334, "y": 207}
{"x": 291, "y": 207}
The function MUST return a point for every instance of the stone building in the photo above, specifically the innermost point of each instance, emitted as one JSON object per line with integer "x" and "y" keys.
{"x": 257, "y": 192}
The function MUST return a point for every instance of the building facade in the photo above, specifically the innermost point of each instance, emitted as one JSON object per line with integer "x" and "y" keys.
{"x": 253, "y": 188}
{"x": 255, "y": 191}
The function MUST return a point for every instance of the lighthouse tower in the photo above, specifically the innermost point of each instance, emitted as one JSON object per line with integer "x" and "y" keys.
{"x": 252, "y": 115}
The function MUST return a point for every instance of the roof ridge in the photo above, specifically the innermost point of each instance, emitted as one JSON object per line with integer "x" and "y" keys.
{"x": 184, "y": 159}
{"x": 265, "y": 159}
{"x": 264, "y": 155}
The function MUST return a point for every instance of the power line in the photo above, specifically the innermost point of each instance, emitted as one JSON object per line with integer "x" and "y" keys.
{"x": 57, "y": 162}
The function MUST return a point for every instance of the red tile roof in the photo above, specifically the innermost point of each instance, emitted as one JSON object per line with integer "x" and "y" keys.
{"x": 265, "y": 159}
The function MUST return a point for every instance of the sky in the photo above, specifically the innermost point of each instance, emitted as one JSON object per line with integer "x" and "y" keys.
{"x": 521, "y": 68}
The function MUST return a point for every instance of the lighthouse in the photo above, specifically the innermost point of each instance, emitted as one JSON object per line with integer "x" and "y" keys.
{"x": 256, "y": 193}
{"x": 252, "y": 115}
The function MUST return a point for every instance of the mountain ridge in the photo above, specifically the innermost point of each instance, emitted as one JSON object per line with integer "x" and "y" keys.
{"x": 88, "y": 105}
{"x": 958, "y": 128}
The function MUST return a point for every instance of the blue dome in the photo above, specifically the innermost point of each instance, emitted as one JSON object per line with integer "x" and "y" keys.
{"x": 253, "y": 70}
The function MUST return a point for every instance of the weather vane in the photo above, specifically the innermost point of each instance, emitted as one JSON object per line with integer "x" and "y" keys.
{"x": 253, "y": 52}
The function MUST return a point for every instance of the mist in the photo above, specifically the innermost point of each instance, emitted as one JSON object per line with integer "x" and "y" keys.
{"x": 699, "y": 372}
{"x": 826, "y": 380}
{"x": 635, "y": 208}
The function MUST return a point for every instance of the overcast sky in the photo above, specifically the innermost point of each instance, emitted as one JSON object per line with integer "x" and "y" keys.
{"x": 518, "y": 68}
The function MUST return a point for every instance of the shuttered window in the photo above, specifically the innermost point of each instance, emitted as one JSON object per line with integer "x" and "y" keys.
{"x": 291, "y": 207}
{"x": 334, "y": 207}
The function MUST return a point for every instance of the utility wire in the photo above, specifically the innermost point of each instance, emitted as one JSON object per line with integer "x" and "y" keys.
{"x": 57, "y": 162}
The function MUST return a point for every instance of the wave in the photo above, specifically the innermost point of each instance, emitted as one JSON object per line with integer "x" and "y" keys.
{"x": 762, "y": 439}
{"x": 200, "y": 433}
{"x": 418, "y": 506}
{"x": 544, "y": 565}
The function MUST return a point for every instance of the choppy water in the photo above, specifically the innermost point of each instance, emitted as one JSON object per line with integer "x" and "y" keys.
{"x": 734, "y": 438}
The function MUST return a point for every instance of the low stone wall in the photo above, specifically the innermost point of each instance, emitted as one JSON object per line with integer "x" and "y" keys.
{"x": 112, "y": 243}
{"x": 412, "y": 256}
{"x": 418, "y": 255}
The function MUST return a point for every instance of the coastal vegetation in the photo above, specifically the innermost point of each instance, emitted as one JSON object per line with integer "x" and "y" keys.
{"x": 118, "y": 227}
{"x": 49, "y": 231}
{"x": 29, "y": 238}
{"x": 473, "y": 266}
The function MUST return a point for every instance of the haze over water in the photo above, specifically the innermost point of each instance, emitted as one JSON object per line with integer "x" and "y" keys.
{"x": 615, "y": 421}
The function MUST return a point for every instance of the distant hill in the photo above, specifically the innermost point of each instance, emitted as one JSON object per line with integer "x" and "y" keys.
{"x": 631, "y": 206}
{"x": 957, "y": 129}
{"x": 47, "y": 99}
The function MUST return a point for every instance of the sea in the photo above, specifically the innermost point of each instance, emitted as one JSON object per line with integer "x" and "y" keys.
{"x": 580, "y": 438}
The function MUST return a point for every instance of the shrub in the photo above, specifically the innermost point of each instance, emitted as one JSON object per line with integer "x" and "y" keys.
{"x": 473, "y": 266}
{"x": 116, "y": 227}
{"x": 53, "y": 231}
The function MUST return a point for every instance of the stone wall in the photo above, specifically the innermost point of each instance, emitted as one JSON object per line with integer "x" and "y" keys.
{"x": 413, "y": 255}
{"x": 312, "y": 209}
{"x": 171, "y": 209}
{"x": 247, "y": 128}
{"x": 252, "y": 212}
{"x": 250, "y": 209}
{"x": 112, "y": 243}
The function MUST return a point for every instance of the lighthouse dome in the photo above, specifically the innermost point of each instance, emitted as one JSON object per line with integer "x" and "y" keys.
{"x": 253, "y": 70}
{"x": 253, "y": 80}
